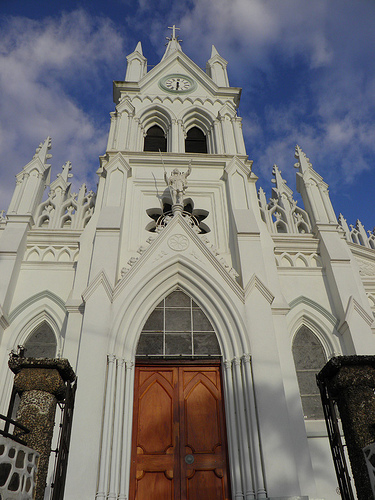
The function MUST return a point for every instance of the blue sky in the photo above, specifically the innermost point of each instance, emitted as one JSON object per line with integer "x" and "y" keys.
{"x": 307, "y": 70}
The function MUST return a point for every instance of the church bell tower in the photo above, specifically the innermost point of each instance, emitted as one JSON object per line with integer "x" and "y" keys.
{"x": 194, "y": 311}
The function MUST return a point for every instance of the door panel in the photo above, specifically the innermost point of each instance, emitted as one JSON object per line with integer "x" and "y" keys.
{"x": 202, "y": 434}
{"x": 156, "y": 407}
{"x": 207, "y": 482}
{"x": 179, "y": 441}
{"x": 158, "y": 483}
{"x": 155, "y": 437}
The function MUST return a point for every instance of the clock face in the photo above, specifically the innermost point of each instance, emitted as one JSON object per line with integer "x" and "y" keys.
{"x": 177, "y": 84}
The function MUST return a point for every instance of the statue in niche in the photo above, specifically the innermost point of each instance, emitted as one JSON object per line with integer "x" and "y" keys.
{"x": 177, "y": 183}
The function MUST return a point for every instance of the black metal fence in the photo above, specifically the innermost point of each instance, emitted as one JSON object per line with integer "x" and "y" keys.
{"x": 335, "y": 442}
{"x": 62, "y": 451}
{"x": 6, "y": 431}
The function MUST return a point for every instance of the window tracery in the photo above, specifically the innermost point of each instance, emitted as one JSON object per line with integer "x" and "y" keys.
{"x": 178, "y": 327}
{"x": 309, "y": 359}
{"x": 41, "y": 343}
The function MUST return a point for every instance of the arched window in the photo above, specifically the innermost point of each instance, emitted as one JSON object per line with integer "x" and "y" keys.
{"x": 155, "y": 139}
{"x": 309, "y": 359}
{"x": 178, "y": 327}
{"x": 41, "y": 343}
{"x": 195, "y": 141}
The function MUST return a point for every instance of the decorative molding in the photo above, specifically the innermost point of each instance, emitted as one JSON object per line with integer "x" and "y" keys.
{"x": 256, "y": 283}
{"x": 100, "y": 279}
{"x": 75, "y": 306}
{"x": 45, "y": 294}
{"x": 63, "y": 209}
{"x": 314, "y": 305}
{"x": 357, "y": 234}
{"x": 246, "y": 358}
{"x": 281, "y": 214}
{"x": 52, "y": 253}
{"x": 293, "y": 259}
{"x": 227, "y": 272}
{"x": 366, "y": 268}
{"x": 238, "y": 165}
{"x": 178, "y": 242}
{"x": 352, "y": 306}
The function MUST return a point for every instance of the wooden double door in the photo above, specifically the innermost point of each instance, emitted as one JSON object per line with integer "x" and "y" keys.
{"x": 179, "y": 449}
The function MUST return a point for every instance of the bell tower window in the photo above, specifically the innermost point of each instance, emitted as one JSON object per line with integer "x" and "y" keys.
{"x": 155, "y": 139}
{"x": 195, "y": 141}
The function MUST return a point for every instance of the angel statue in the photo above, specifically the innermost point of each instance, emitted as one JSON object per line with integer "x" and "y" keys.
{"x": 177, "y": 183}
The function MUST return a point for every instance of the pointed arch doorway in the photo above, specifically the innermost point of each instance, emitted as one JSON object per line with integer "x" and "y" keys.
{"x": 179, "y": 446}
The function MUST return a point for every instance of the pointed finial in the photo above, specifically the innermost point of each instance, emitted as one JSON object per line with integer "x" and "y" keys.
{"x": 66, "y": 171}
{"x": 139, "y": 48}
{"x": 281, "y": 187}
{"x": 42, "y": 150}
{"x": 214, "y": 51}
{"x": 303, "y": 162}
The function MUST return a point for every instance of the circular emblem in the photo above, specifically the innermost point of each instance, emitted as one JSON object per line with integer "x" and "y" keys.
{"x": 189, "y": 459}
{"x": 178, "y": 242}
{"x": 178, "y": 84}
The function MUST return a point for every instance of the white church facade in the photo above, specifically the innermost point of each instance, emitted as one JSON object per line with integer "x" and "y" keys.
{"x": 194, "y": 311}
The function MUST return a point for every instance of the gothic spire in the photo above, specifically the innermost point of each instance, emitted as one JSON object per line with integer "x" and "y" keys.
{"x": 216, "y": 68}
{"x": 137, "y": 65}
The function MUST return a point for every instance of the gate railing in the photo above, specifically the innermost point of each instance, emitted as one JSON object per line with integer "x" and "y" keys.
{"x": 62, "y": 451}
{"x": 6, "y": 431}
{"x": 335, "y": 441}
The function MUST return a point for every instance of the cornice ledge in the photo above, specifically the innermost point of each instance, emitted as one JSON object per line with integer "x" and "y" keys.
{"x": 21, "y": 219}
{"x": 360, "y": 250}
{"x": 255, "y": 283}
{"x": 100, "y": 279}
{"x": 75, "y": 306}
{"x": 280, "y": 308}
{"x": 352, "y": 306}
{"x": 326, "y": 227}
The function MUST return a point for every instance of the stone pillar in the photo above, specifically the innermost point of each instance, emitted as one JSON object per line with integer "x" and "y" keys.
{"x": 351, "y": 382}
{"x": 40, "y": 383}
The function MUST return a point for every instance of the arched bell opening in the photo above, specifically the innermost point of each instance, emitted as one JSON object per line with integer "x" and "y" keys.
{"x": 155, "y": 139}
{"x": 195, "y": 141}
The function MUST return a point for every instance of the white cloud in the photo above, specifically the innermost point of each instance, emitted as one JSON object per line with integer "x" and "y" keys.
{"x": 319, "y": 54}
{"x": 328, "y": 45}
{"x": 44, "y": 67}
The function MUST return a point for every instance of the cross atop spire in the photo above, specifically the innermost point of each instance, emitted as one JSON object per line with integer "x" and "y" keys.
{"x": 174, "y": 36}
{"x": 173, "y": 43}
